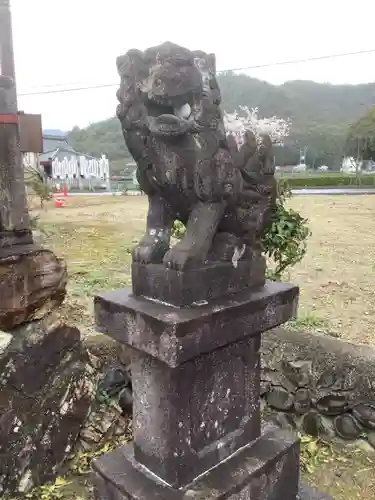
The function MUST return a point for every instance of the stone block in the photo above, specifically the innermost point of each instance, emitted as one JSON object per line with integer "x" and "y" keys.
{"x": 206, "y": 283}
{"x": 174, "y": 335}
{"x": 267, "y": 469}
{"x": 187, "y": 419}
{"x": 10, "y": 238}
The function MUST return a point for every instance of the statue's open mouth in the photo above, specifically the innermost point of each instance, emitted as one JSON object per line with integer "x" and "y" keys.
{"x": 169, "y": 120}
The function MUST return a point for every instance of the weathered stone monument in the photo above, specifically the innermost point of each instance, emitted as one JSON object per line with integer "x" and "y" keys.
{"x": 194, "y": 318}
{"x": 45, "y": 378}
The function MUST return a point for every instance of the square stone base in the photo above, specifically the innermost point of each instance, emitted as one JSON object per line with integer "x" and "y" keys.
{"x": 10, "y": 238}
{"x": 267, "y": 469}
{"x": 206, "y": 283}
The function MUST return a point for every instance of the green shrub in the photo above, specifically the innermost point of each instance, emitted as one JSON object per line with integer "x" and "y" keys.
{"x": 284, "y": 244}
{"x": 38, "y": 185}
{"x": 329, "y": 181}
{"x": 178, "y": 230}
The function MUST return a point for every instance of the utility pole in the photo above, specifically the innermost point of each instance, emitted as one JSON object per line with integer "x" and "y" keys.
{"x": 14, "y": 217}
{"x": 302, "y": 156}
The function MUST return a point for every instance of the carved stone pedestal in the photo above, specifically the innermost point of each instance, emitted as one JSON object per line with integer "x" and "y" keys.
{"x": 195, "y": 375}
{"x": 209, "y": 282}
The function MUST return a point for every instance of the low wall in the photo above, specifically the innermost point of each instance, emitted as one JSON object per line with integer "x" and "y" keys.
{"x": 319, "y": 384}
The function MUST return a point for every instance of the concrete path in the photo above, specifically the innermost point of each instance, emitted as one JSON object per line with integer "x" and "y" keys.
{"x": 334, "y": 191}
{"x": 316, "y": 191}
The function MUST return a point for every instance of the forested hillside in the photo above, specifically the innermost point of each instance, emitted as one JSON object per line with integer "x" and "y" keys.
{"x": 320, "y": 116}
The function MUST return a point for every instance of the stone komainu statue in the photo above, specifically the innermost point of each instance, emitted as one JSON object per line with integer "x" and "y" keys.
{"x": 191, "y": 171}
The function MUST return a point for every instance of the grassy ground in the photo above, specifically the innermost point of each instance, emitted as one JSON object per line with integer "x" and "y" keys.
{"x": 95, "y": 236}
{"x": 336, "y": 276}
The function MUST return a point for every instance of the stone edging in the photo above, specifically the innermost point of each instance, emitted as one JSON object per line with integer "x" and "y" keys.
{"x": 319, "y": 384}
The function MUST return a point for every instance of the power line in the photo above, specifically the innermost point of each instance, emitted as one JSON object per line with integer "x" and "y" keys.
{"x": 297, "y": 61}
{"x": 63, "y": 84}
{"x": 257, "y": 66}
{"x": 74, "y": 89}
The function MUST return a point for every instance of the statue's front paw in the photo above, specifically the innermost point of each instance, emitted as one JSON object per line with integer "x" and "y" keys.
{"x": 177, "y": 258}
{"x": 148, "y": 253}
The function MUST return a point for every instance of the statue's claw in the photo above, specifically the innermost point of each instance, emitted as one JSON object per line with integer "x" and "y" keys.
{"x": 178, "y": 257}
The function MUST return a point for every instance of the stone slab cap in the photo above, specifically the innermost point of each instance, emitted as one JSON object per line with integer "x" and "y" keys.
{"x": 174, "y": 335}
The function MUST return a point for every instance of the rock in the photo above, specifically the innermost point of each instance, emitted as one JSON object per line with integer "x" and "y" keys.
{"x": 277, "y": 378}
{"x": 114, "y": 381}
{"x": 279, "y": 398}
{"x": 32, "y": 283}
{"x": 120, "y": 429}
{"x": 316, "y": 425}
{"x": 264, "y": 387}
{"x": 332, "y": 404}
{"x": 329, "y": 380}
{"x": 46, "y": 392}
{"x": 347, "y": 427}
{"x": 307, "y": 493}
{"x": 371, "y": 438}
{"x": 336, "y": 365}
{"x": 298, "y": 372}
{"x": 104, "y": 425}
{"x": 365, "y": 413}
{"x": 125, "y": 401}
{"x": 104, "y": 348}
{"x": 91, "y": 436}
{"x": 302, "y": 401}
{"x": 365, "y": 446}
{"x": 285, "y": 421}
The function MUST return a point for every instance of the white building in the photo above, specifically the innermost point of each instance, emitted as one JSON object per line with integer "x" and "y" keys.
{"x": 62, "y": 164}
{"x": 350, "y": 165}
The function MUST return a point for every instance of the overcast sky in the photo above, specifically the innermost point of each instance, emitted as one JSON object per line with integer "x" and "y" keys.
{"x": 75, "y": 43}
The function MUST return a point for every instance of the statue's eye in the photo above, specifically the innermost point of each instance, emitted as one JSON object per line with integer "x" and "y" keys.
{"x": 157, "y": 82}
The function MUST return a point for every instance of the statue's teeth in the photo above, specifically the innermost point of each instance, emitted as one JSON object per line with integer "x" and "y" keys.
{"x": 184, "y": 111}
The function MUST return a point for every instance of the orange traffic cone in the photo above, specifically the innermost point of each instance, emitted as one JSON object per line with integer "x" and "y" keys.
{"x": 59, "y": 203}
{"x": 65, "y": 190}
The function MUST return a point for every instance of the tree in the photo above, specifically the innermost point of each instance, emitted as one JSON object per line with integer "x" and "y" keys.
{"x": 320, "y": 116}
{"x": 37, "y": 183}
{"x": 360, "y": 141}
{"x": 239, "y": 122}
